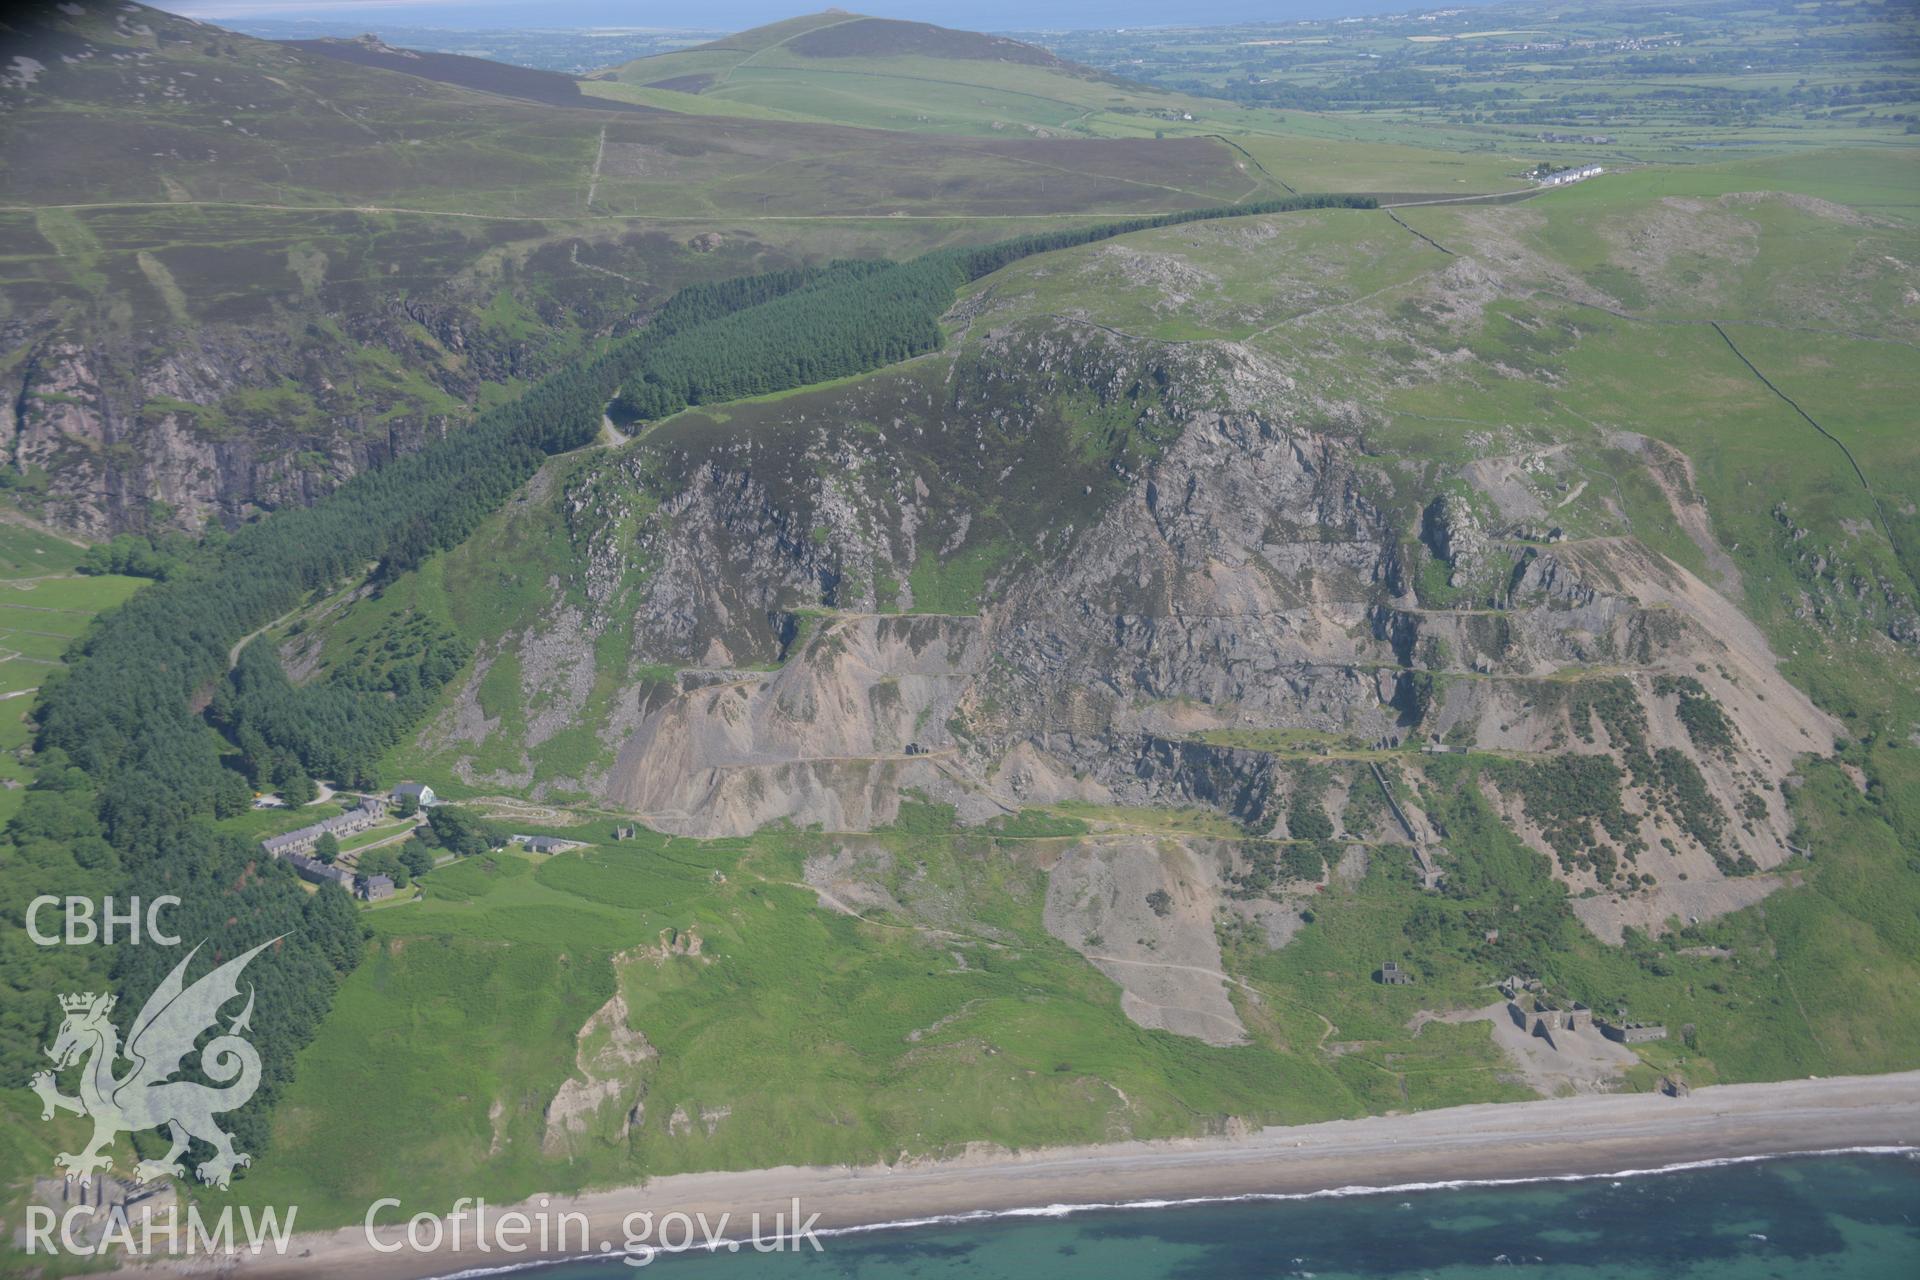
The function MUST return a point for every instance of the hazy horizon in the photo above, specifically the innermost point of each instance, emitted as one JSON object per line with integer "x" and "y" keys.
{"x": 741, "y": 14}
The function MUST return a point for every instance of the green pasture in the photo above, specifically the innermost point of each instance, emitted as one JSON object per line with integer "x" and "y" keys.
{"x": 44, "y": 607}
{"x": 911, "y": 1038}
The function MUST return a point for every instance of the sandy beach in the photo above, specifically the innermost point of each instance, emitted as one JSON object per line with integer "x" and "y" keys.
{"x": 1591, "y": 1134}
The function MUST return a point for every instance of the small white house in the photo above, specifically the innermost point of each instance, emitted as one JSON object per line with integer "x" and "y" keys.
{"x": 418, "y": 792}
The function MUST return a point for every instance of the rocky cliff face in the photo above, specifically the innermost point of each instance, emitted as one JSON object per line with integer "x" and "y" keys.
{"x": 105, "y": 440}
{"x": 1063, "y": 565}
{"x": 226, "y": 293}
{"x": 209, "y": 401}
{"x": 856, "y": 720}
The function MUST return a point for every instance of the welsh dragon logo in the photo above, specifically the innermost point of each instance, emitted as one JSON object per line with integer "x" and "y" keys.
{"x": 146, "y": 1097}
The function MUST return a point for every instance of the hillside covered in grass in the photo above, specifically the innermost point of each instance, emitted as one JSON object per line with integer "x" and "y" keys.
{"x": 1032, "y": 692}
{"x": 879, "y": 72}
{"x": 1014, "y": 622}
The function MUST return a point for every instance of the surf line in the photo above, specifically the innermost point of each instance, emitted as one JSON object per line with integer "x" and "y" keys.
{"x": 972, "y": 1216}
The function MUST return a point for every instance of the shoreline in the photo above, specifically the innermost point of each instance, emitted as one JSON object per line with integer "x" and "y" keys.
{"x": 1585, "y": 1136}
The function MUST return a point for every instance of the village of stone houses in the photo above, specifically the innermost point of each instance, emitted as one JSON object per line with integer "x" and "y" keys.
{"x": 379, "y": 845}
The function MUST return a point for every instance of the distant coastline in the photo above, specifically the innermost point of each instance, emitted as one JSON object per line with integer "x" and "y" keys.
{"x": 1491, "y": 1144}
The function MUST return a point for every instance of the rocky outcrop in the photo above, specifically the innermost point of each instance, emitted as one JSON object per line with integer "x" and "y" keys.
{"x": 730, "y": 560}
{"x": 608, "y": 1066}
{"x": 222, "y": 384}
{"x": 1234, "y": 566}
{"x": 1232, "y": 581}
{"x": 213, "y": 430}
{"x": 1452, "y": 532}
{"x": 857, "y": 718}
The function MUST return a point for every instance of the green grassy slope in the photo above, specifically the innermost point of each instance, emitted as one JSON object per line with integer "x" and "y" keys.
{"x": 929, "y": 80}
{"x": 834, "y": 37}
{"x": 44, "y": 605}
{"x": 899, "y": 1041}
{"x": 955, "y": 1016}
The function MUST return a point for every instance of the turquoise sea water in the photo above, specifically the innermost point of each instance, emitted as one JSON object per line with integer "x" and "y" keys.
{"x": 1851, "y": 1216}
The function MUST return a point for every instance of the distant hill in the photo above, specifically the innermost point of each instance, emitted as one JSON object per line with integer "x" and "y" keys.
{"x": 528, "y": 84}
{"x": 886, "y": 38}
{"x": 852, "y": 69}
{"x": 827, "y": 37}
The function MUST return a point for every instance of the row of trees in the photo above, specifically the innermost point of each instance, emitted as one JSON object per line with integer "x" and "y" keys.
{"x": 858, "y": 317}
{"x": 849, "y": 326}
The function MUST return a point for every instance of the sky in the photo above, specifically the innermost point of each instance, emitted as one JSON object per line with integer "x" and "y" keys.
{"x": 708, "y": 15}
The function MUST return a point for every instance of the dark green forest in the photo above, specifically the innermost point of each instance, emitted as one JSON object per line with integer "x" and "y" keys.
{"x": 852, "y": 321}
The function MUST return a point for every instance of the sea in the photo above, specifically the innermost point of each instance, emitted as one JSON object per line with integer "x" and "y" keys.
{"x": 1853, "y": 1215}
